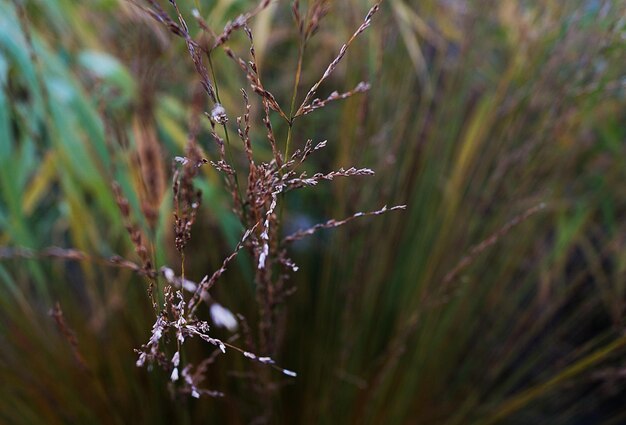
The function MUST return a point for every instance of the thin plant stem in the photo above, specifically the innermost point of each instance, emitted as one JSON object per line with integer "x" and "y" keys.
{"x": 226, "y": 134}
{"x": 294, "y": 95}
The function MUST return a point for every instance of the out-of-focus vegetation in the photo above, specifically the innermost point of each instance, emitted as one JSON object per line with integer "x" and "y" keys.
{"x": 479, "y": 111}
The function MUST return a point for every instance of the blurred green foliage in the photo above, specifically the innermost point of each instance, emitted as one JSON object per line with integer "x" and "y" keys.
{"x": 479, "y": 110}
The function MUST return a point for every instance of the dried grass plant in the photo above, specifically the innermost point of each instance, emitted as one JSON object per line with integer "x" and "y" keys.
{"x": 258, "y": 203}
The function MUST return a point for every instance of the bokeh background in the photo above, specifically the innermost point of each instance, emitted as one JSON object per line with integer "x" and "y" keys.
{"x": 464, "y": 308}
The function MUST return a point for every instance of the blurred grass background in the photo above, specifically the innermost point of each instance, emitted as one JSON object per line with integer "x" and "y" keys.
{"x": 479, "y": 111}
